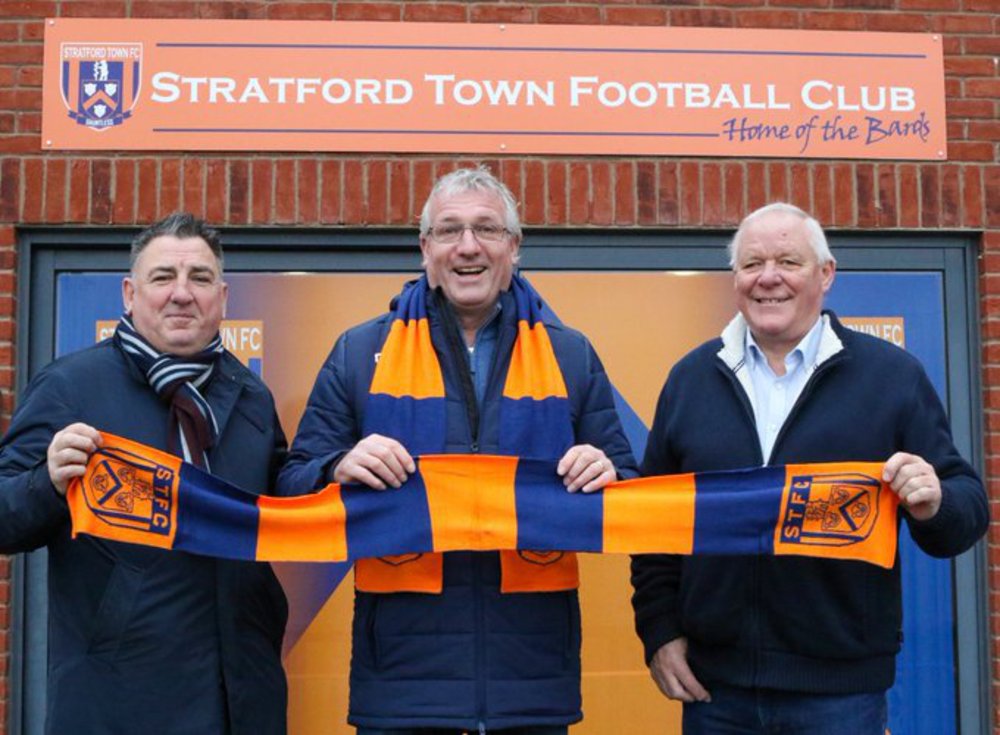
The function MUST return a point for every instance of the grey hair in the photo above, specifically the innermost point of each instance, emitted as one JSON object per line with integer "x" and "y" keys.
{"x": 180, "y": 225}
{"x": 473, "y": 179}
{"x": 814, "y": 232}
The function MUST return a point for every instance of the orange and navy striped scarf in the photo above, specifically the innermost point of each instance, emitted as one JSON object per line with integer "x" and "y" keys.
{"x": 138, "y": 494}
{"x": 407, "y": 395}
{"x": 407, "y": 402}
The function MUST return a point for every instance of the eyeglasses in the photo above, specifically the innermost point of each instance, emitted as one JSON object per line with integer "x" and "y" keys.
{"x": 451, "y": 233}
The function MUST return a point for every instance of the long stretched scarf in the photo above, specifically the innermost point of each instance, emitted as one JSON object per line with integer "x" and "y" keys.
{"x": 192, "y": 429}
{"x": 137, "y": 494}
{"x": 407, "y": 402}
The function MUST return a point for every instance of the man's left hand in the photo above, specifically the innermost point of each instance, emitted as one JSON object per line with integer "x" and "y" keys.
{"x": 915, "y": 482}
{"x": 586, "y": 468}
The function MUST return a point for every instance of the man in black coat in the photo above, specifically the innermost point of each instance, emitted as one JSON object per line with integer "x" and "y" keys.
{"x": 143, "y": 640}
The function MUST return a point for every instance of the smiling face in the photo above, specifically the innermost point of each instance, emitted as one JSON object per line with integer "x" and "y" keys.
{"x": 470, "y": 272}
{"x": 779, "y": 282}
{"x": 176, "y": 294}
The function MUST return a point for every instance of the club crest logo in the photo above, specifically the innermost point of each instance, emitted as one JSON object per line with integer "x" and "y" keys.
{"x": 830, "y": 510}
{"x": 100, "y": 82}
{"x": 130, "y": 492}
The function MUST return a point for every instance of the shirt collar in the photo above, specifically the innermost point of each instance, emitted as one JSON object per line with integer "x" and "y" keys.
{"x": 804, "y": 353}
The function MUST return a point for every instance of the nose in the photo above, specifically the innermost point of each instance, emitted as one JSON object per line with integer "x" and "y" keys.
{"x": 771, "y": 274}
{"x": 181, "y": 292}
{"x": 468, "y": 243}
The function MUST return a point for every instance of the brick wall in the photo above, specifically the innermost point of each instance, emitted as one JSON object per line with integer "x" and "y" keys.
{"x": 322, "y": 190}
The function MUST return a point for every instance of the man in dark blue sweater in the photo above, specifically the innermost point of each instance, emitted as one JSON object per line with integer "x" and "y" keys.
{"x": 793, "y": 644}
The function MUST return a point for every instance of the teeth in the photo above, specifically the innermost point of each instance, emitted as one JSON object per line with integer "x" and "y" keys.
{"x": 469, "y": 271}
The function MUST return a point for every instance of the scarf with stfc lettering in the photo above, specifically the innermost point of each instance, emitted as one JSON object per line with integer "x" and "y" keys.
{"x": 137, "y": 494}
{"x": 191, "y": 426}
{"x": 406, "y": 400}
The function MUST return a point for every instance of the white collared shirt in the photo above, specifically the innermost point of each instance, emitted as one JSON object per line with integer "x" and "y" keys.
{"x": 773, "y": 395}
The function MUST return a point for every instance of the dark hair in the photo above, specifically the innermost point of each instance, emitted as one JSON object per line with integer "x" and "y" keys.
{"x": 180, "y": 225}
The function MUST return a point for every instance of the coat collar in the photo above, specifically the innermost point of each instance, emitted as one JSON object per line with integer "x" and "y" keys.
{"x": 223, "y": 390}
{"x": 732, "y": 352}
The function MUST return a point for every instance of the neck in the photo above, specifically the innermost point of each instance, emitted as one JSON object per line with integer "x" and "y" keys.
{"x": 775, "y": 354}
{"x": 470, "y": 322}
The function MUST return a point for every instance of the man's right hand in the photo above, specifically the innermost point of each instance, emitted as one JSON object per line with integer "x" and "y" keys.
{"x": 68, "y": 453}
{"x": 669, "y": 669}
{"x": 376, "y": 461}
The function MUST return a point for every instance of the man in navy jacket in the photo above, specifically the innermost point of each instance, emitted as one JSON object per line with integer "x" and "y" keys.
{"x": 783, "y": 644}
{"x": 466, "y": 653}
{"x": 143, "y": 640}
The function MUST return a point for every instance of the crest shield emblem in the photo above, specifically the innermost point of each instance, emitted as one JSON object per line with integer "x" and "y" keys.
{"x": 830, "y": 510}
{"x": 130, "y": 492}
{"x": 100, "y": 82}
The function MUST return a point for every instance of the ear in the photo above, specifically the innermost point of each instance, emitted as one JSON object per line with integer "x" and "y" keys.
{"x": 515, "y": 250}
{"x": 225, "y": 298}
{"x": 829, "y": 270}
{"x": 424, "y": 249}
{"x": 128, "y": 293}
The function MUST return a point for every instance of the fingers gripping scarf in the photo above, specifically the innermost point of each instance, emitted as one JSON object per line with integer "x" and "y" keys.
{"x": 407, "y": 402}
{"x": 191, "y": 428}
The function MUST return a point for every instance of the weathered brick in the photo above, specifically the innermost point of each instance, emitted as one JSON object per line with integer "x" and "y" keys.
{"x": 930, "y": 196}
{"x": 353, "y": 193}
{"x": 666, "y": 199}
{"x": 624, "y": 193}
{"x": 579, "y": 193}
{"x": 972, "y": 197}
{"x": 399, "y": 192}
{"x": 556, "y": 204}
{"x": 569, "y": 14}
{"x": 123, "y": 211}
{"x": 378, "y": 191}
{"x": 100, "y": 191}
{"x": 193, "y": 189}
{"x": 601, "y": 207}
{"x": 864, "y": 186}
{"x": 635, "y": 16}
{"x": 307, "y": 175}
{"x": 909, "y": 196}
{"x": 690, "y": 181}
{"x": 216, "y": 191}
{"x": 533, "y": 199}
{"x": 501, "y": 14}
{"x": 55, "y": 190}
{"x": 330, "y": 200}
{"x": 168, "y": 199}
{"x": 887, "y": 210}
{"x": 712, "y": 196}
{"x": 239, "y": 191}
{"x": 33, "y": 209}
{"x": 435, "y": 12}
{"x": 148, "y": 191}
{"x": 843, "y": 195}
{"x": 368, "y": 11}
{"x": 300, "y": 11}
{"x": 951, "y": 195}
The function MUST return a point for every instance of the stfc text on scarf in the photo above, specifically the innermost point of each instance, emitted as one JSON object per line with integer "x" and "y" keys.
{"x": 135, "y": 494}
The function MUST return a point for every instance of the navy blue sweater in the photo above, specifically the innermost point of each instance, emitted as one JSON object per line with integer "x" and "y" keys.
{"x": 798, "y": 624}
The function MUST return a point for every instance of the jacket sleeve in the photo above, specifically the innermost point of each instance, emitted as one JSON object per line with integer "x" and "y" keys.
{"x": 656, "y": 578}
{"x": 964, "y": 515}
{"x": 31, "y": 510}
{"x": 329, "y": 428}
{"x": 597, "y": 422}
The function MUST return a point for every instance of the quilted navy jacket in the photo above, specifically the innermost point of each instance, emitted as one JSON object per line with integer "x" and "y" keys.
{"x": 469, "y": 657}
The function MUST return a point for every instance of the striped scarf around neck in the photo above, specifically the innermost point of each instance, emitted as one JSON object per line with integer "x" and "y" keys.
{"x": 407, "y": 401}
{"x": 178, "y": 381}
